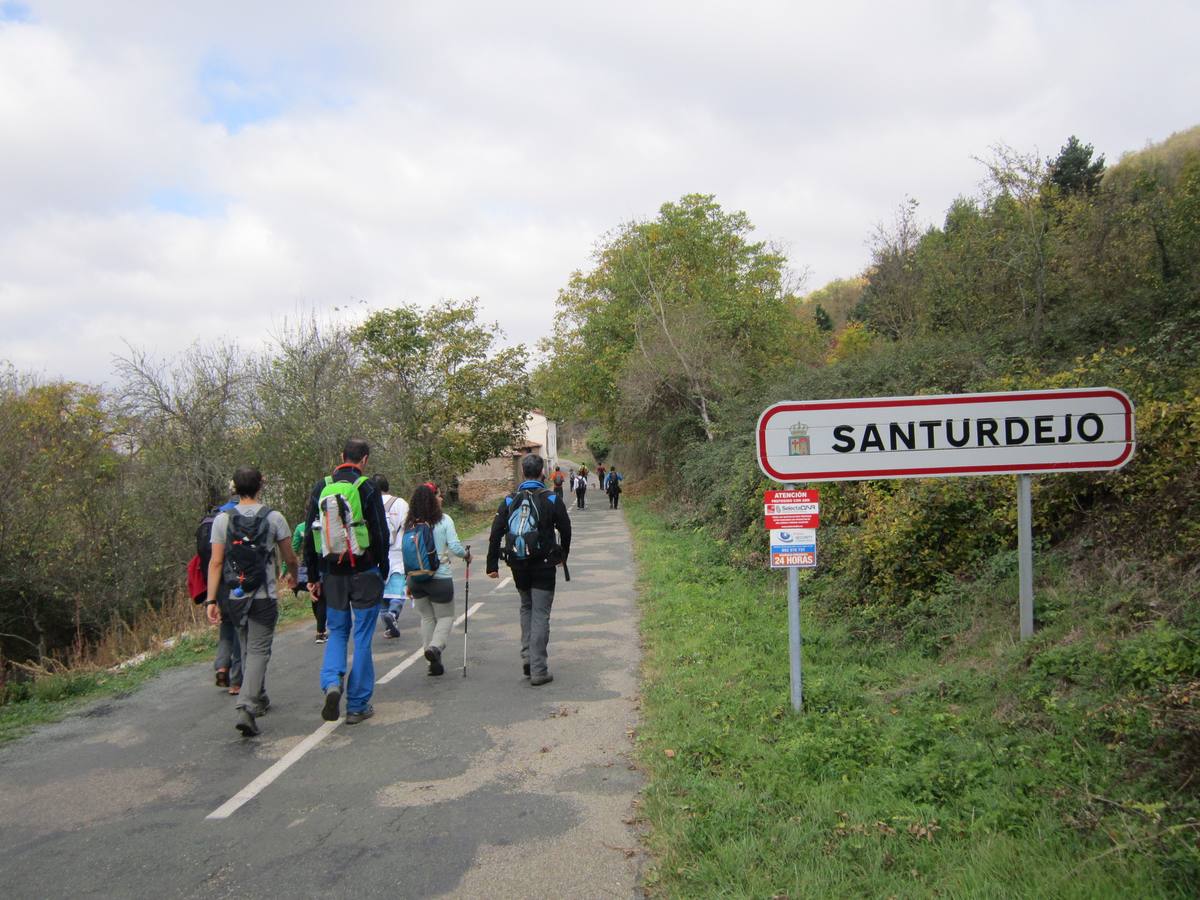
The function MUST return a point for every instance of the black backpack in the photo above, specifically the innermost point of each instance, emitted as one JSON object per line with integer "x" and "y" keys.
{"x": 204, "y": 537}
{"x": 529, "y": 535}
{"x": 248, "y": 547}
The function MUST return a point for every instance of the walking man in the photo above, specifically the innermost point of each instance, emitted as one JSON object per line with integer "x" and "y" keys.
{"x": 347, "y": 545}
{"x": 614, "y": 488}
{"x": 526, "y": 521}
{"x": 245, "y": 541}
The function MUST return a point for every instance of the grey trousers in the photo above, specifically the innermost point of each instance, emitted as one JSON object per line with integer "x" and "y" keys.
{"x": 436, "y": 620}
{"x": 535, "y": 628}
{"x": 257, "y": 633}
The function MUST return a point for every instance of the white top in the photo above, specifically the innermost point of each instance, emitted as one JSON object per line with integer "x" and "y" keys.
{"x": 396, "y": 510}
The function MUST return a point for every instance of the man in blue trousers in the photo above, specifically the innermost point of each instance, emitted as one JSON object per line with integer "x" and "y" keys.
{"x": 347, "y": 544}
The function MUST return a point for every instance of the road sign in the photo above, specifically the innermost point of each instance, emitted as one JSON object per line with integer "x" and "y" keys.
{"x": 1068, "y": 430}
{"x": 793, "y": 547}
{"x": 791, "y": 509}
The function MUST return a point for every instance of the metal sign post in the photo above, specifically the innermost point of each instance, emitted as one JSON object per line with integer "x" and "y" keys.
{"x": 1025, "y": 552}
{"x": 794, "y": 638}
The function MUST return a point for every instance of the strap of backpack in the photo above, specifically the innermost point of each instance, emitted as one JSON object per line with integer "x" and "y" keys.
{"x": 387, "y": 508}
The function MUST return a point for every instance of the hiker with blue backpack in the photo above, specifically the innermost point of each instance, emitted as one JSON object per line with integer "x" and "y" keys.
{"x": 346, "y": 555}
{"x": 526, "y": 522}
{"x": 428, "y": 539}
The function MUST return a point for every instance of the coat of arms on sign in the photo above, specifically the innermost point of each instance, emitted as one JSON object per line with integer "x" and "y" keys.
{"x": 798, "y": 442}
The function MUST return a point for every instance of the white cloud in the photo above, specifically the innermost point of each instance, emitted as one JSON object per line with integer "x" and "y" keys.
{"x": 173, "y": 172}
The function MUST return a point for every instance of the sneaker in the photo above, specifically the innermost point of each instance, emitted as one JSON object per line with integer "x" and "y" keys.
{"x": 246, "y": 724}
{"x": 333, "y": 702}
{"x": 235, "y": 689}
{"x": 525, "y": 669}
{"x": 353, "y": 718}
{"x": 541, "y": 679}
{"x": 223, "y": 678}
{"x": 389, "y": 625}
{"x": 321, "y": 637}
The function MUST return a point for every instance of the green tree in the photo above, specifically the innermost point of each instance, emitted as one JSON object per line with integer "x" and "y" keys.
{"x": 449, "y": 397}
{"x": 1074, "y": 171}
{"x": 821, "y": 318}
{"x": 679, "y": 314}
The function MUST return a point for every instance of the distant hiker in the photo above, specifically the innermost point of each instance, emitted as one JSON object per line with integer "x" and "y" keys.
{"x": 347, "y": 558}
{"x": 318, "y": 603}
{"x": 557, "y": 479}
{"x": 228, "y": 662}
{"x": 614, "y": 488}
{"x": 600, "y": 476}
{"x": 395, "y": 591}
{"x": 580, "y": 489}
{"x": 526, "y": 522}
{"x": 429, "y": 538}
{"x": 245, "y": 542}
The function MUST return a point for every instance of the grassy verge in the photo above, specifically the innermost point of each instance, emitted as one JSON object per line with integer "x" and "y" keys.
{"x": 977, "y": 770}
{"x": 50, "y": 697}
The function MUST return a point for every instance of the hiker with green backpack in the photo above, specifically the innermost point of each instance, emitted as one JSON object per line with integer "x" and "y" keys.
{"x": 346, "y": 556}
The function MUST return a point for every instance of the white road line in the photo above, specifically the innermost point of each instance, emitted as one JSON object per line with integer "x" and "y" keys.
{"x": 256, "y": 787}
{"x": 502, "y": 584}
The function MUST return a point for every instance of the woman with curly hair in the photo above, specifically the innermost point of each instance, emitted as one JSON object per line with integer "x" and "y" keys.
{"x": 434, "y": 598}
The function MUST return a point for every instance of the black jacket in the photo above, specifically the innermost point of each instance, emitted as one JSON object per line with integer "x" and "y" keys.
{"x": 373, "y": 516}
{"x": 561, "y": 522}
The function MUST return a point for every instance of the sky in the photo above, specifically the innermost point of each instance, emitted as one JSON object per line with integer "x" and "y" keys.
{"x": 201, "y": 172}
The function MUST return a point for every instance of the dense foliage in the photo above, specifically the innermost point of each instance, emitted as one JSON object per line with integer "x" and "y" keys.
{"x": 108, "y": 486}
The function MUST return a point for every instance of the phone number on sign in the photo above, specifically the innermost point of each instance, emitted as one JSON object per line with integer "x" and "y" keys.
{"x": 806, "y": 558}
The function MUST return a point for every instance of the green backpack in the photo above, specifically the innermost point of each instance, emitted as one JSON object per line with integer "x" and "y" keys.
{"x": 339, "y": 528}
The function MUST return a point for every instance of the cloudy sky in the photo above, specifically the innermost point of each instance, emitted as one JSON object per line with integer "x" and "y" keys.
{"x": 180, "y": 172}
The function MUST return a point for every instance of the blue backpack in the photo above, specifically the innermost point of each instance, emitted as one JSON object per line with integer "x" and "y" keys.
{"x": 421, "y": 560}
{"x": 529, "y": 537}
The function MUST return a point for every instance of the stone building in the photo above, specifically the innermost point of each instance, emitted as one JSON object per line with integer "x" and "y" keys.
{"x": 489, "y": 481}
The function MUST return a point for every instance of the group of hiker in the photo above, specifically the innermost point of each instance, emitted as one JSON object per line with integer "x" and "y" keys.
{"x": 608, "y": 481}
{"x": 361, "y": 553}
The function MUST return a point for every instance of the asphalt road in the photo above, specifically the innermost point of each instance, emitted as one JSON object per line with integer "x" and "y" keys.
{"x": 480, "y": 786}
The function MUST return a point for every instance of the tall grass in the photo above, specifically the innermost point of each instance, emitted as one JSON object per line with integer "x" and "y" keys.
{"x": 910, "y": 773}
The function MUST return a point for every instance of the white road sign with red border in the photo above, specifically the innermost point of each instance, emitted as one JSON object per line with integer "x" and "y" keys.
{"x": 1014, "y": 432}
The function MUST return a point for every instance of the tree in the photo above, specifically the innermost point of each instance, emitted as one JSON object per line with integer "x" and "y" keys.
{"x": 308, "y": 399}
{"x": 1073, "y": 171}
{"x": 679, "y": 314}
{"x": 450, "y": 399}
{"x": 821, "y": 318}
{"x": 890, "y": 300}
{"x": 193, "y": 416}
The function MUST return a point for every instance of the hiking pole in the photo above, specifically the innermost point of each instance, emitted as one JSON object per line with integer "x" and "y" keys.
{"x": 466, "y": 608}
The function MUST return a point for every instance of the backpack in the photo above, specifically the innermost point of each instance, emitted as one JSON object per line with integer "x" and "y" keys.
{"x": 248, "y": 547}
{"x": 421, "y": 559}
{"x": 339, "y": 527}
{"x": 558, "y": 479}
{"x": 392, "y": 532}
{"x": 529, "y": 536}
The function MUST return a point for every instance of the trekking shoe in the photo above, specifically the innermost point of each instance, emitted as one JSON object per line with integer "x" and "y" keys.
{"x": 541, "y": 679}
{"x": 436, "y": 668}
{"x": 235, "y": 689}
{"x": 525, "y": 669}
{"x": 321, "y": 637}
{"x": 246, "y": 724}
{"x": 389, "y": 625}
{"x": 333, "y": 702}
{"x": 353, "y": 718}
{"x": 223, "y": 678}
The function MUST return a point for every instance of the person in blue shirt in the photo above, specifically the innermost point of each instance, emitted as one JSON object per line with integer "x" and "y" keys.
{"x": 534, "y": 579}
{"x": 434, "y": 597}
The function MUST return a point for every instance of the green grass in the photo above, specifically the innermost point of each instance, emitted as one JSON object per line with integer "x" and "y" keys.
{"x": 52, "y": 697}
{"x": 953, "y": 761}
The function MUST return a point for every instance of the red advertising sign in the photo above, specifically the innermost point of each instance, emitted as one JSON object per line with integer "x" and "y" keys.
{"x": 791, "y": 509}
